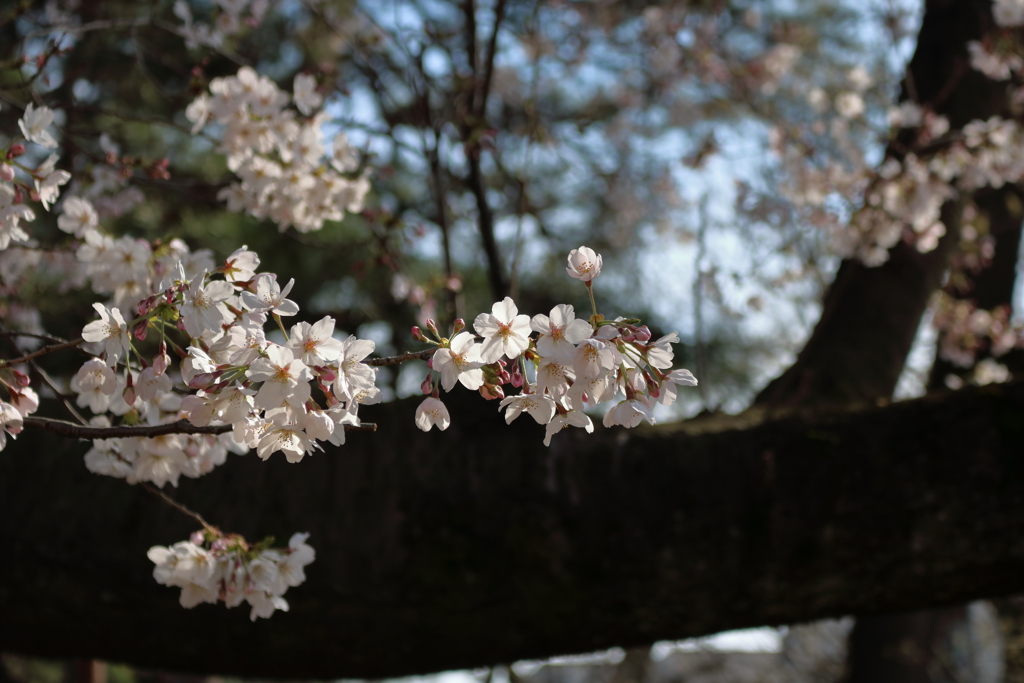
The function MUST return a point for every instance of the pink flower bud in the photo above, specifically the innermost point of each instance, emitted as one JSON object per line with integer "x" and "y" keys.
{"x": 425, "y": 387}
{"x": 517, "y": 378}
{"x": 204, "y": 380}
{"x": 328, "y": 374}
{"x": 161, "y": 363}
{"x": 219, "y": 545}
{"x": 642, "y": 334}
{"x": 627, "y": 335}
{"x": 491, "y": 392}
{"x": 432, "y": 326}
{"x": 458, "y": 326}
{"x": 196, "y": 538}
{"x": 140, "y": 331}
{"x": 417, "y": 334}
{"x": 16, "y": 151}
{"x": 6, "y": 172}
{"x": 129, "y": 396}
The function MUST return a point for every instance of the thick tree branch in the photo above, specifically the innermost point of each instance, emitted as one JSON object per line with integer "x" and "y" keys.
{"x": 439, "y": 551}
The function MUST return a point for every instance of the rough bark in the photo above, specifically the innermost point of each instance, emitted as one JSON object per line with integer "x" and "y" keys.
{"x": 478, "y": 546}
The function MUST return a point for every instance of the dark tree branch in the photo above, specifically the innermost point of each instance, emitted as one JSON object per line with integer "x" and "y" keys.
{"x": 52, "y": 348}
{"x": 440, "y": 551}
{"x": 180, "y": 427}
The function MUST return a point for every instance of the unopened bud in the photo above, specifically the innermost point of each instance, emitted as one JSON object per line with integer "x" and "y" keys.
{"x": 129, "y": 396}
{"x": 642, "y": 334}
{"x": 197, "y": 538}
{"x": 161, "y": 363}
{"x": 21, "y": 379}
{"x": 504, "y": 377}
{"x": 203, "y": 380}
{"x": 328, "y": 374}
{"x": 417, "y": 334}
{"x": 140, "y": 330}
{"x": 458, "y": 326}
{"x": 432, "y": 326}
{"x": 16, "y": 151}
{"x": 6, "y": 172}
{"x": 425, "y": 387}
{"x": 516, "y": 377}
{"x": 491, "y": 392}
{"x": 627, "y": 335}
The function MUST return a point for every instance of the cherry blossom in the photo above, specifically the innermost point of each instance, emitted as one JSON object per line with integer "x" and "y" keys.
{"x": 111, "y": 330}
{"x": 460, "y": 363}
{"x": 432, "y": 412}
{"x": 34, "y": 124}
{"x": 584, "y": 264}
{"x": 505, "y": 332}
{"x": 560, "y": 332}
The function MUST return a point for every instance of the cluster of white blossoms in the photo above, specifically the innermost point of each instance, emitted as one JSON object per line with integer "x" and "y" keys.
{"x": 230, "y": 375}
{"x": 21, "y": 402}
{"x": 575, "y": 364}
{"x": 212, "y": 567}
{"x": 968, "y": 330}
{"x": 285, "y": 172}
{"x": 902, "y": 198}
{"x": 21, "y": 180}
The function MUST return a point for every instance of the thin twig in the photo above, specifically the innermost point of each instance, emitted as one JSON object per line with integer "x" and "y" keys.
{"x": 396, "y": 360}
{"x": 57, "y": 392}
{"x": 180, "y": 427}
{"x": 89, "y": 26}
{"x": 149, "y": 488}
{"x": 42, "y": 352}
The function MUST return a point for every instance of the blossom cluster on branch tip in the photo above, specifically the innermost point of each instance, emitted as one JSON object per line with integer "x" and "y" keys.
{"x": 212, "y": 567}
{"x": 575, "y": 363}
{"x": 285, "y": 172}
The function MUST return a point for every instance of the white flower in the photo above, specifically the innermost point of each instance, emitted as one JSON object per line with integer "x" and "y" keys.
{"x": 314, "y": 344}
{"x": 299, "y": 555}
{"x": 78, "y": 216}
{"x": 541, "y": 408}
{"x": 48, "y": 188}
{"x": 432, "y": 412}
{"x": 152, "y": 384}
{"x": 460, "y": 363}
{"x": 241, "y": 265}
{"x": 560, "y": 333}
{"x": 667, "y": 389}
{"x": 286, "y": 436}
{"x": 285, "y": 379}
{"x": 111, "y": 330}
{"x": 305, "y": 95}
{"x": 270, "y": 297}
{"x": 202, "y": 309}
{"x": 584, "y": 264}
{"x": 34, "y": 124}
{"x": 354, "y": 375}
{"x": 95, "y": 383}
{"x": 504, "y": 331}
{"x": 629, "y": 413}
{"x": 10, "y": 422}
{"x": 660, "y": 353}
{"x": 594, "y": 357}
{"x": 573, "y": 418}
